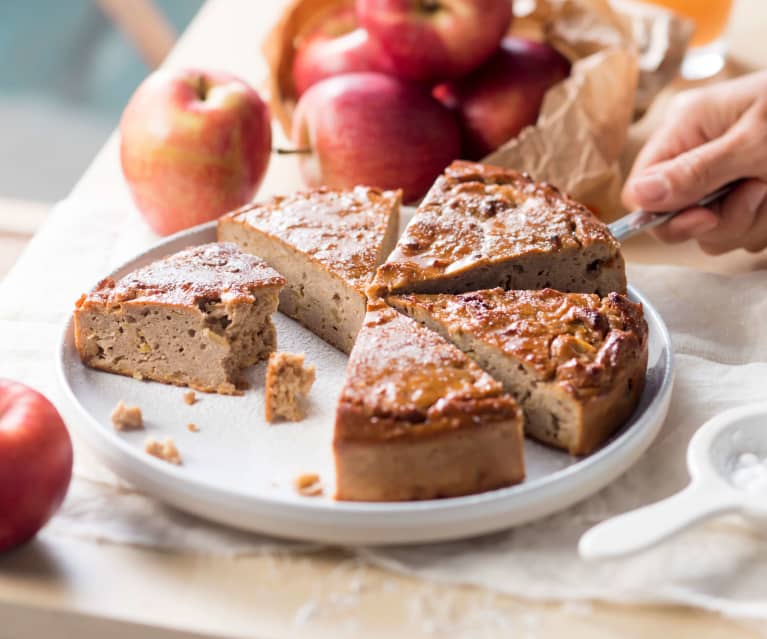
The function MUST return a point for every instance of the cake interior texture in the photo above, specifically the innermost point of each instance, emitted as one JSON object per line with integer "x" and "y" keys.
{"x": 195, "y": 319}
{"x": 575, "y": 363}
{"x": 327, "y": 243}
{"x": 288, "y": 382}
{"x": 482, "y": 227}
{"x": 417, "y": 419}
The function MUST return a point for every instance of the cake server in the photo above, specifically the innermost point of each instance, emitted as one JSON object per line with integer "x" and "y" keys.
{"x": 713, "y": 458}
{"x": 641, "y": 220}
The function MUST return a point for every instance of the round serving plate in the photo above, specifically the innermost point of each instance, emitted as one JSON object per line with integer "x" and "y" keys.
{"x": 239, "y": 470}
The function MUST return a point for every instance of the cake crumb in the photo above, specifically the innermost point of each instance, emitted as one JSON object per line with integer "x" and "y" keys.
{"x": 288, "y": 382}
{"x": 190, "y": 397}
{"x": 127, "y": 417}
{"x": 192, "y": 428}
{"x": 308, "y": 485}
{"x": 166, "y": 450}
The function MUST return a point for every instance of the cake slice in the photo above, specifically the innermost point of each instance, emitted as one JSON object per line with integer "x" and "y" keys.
{"x": 327, "y": 243}
{"x": 481, "y": 226}
{"x": 417, "y": 419}
{"x": 575, "y": 362}
{"x": 196, "y": 318}
{"x": 288, "y": 383}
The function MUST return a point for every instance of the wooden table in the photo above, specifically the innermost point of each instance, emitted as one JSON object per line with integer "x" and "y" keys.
{"x": 88, "y": 590}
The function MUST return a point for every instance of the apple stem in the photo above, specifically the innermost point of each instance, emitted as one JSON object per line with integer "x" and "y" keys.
{"x": 298, "y": 151}
{"x": 202, "y": 87}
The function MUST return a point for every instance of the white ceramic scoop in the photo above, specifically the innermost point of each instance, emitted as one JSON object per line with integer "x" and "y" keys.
{"x": 726, "y": 460}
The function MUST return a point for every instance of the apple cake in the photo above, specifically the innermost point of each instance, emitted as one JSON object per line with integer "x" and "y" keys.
{"x": 327, "y": 243}
{"x": 575, "y": 362}
{"x": 481, "y": 226}
{"x": 288, "y": 383}
{"x": 418, "y": 419}
{"x": 196, "y": 319}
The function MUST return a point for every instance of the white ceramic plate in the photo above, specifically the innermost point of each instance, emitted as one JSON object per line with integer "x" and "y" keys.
{"x": 238, "y": 470}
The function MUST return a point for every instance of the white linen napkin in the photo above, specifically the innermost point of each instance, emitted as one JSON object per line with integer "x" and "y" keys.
{"x": 720, "y": 337}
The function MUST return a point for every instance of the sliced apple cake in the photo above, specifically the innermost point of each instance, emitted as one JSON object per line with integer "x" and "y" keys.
{"x": 196, "y": 318}
{"x": 418, "y": 419}
{"x": 575, "y": 362}
{"x": 327, "y": 243}
{"x": 481, "y": 226}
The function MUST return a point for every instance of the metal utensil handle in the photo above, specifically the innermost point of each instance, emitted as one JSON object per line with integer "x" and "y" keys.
{"x": 641, "y": 220}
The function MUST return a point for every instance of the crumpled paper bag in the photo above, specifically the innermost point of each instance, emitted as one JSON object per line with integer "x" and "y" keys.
{"x": 618, "y": 56}
{"x": 624, "y": 53}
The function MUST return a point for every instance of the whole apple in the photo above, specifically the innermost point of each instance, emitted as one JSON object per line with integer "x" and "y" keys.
{"x": 337, "y": 46}
{"x": 35, "y": 462}
{"x": 502, "y": 97}
{"x": 374, "y": 129}
{"x": 194, "y": 145}
{"x": 432, "y": 40}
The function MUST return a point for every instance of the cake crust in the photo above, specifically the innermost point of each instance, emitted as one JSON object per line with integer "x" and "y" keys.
{"x": 410, "y": 395}
{"x": 482, "y": 226}
{"x": 338, "y": 229}
{"x": 562, "y": 349}
{"x": 217, "y": 271}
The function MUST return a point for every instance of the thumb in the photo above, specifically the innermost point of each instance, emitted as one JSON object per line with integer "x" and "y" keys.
{"x": 683, "y": 180}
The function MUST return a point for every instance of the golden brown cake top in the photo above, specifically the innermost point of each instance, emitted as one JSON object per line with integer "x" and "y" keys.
{"x": 478, "y": 214}
{"x": 578, "y": 339}
{"x": 341, "y": 229}
{"x": 405, "y": 380}
{"x": 211, "y": 271}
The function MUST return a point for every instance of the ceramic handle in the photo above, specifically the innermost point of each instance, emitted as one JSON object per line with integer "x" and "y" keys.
{"x": 639, "y": 529}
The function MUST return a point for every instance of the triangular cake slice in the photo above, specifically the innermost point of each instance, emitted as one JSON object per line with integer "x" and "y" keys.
{"x": 327, "y": 243}
{"x": 418, "y": 419}
{"x": 575, "y": 362}
{"x": 482, "y": 226}
{"x": 195, "y": 318}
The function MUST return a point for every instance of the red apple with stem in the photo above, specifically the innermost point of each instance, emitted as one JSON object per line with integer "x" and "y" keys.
{"x": 35, "y": 462}
{"x": 502, "y": 97}
{"x": 194, "y": 145}
{"x": 373, "y": 129}
{"x": 433, "y": 40}
{"x": 337, "y": 46}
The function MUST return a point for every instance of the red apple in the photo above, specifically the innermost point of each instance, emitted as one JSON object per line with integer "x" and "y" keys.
{"x": 194, "y": 145}
{"x": 432, "y": 40}
{"x": 374, "y": 129}
{"x": 35, "y": 462}
{"x": 337, "y": 46}
{"x": 502, "y": 97}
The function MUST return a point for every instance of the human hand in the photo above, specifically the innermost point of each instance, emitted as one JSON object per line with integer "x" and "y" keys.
{"x": 711, "y": 136}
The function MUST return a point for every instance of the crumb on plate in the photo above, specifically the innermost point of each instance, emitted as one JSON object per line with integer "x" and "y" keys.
{"x": 127, "y": 417}
{"x": 190, "y": 397}
{"x": 308, "y": 484}
{"x": 192, "y": 428}
{"x": 288, "y": 382}
{"x": 166, "y": 450}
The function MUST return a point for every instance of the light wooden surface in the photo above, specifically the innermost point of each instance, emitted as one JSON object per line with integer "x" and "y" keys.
{"x": 90, "y": 590}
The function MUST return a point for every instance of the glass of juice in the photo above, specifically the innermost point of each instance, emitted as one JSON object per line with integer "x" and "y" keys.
{"x": 706, "y": 55}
